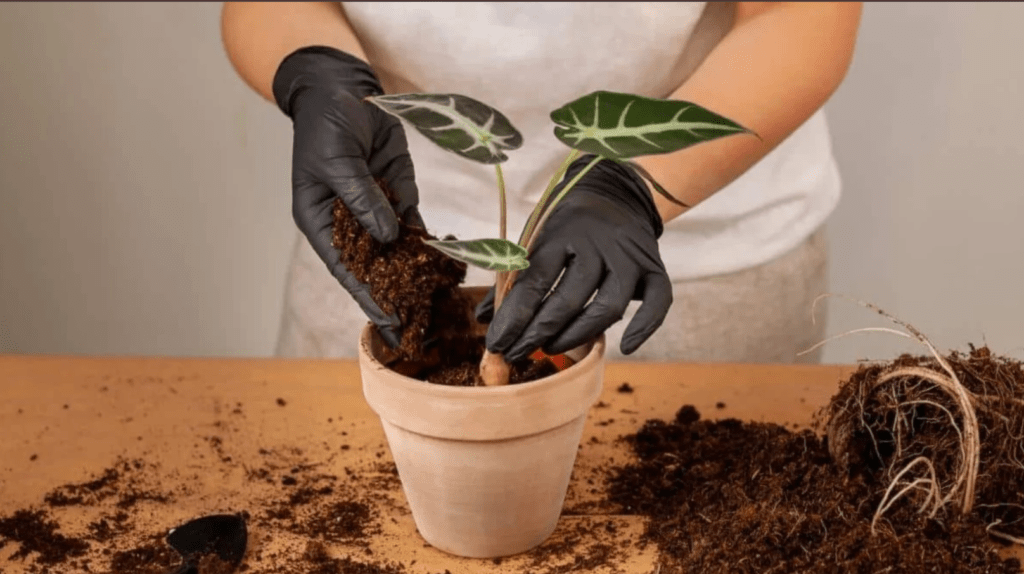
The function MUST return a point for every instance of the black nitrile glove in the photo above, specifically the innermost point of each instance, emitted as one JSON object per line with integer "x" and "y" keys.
{"x": 341, "y": 144}
{"x": 604, "y": 234}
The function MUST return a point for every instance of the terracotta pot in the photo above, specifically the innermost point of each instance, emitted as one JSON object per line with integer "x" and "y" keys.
{"x": 484, "y": 469}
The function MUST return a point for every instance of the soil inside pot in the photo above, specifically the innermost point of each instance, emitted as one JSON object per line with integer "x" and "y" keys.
{"x": 440, "y": 341}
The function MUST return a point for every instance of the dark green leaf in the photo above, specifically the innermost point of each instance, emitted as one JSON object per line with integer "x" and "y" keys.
{"x": 457, "y": 123}
{"x": 616, "y": 125}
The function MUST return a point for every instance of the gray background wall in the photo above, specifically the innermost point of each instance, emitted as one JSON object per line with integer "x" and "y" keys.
{"x": 144, "y": 201}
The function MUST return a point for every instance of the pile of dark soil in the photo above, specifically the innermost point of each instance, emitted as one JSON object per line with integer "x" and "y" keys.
{"x": 728, "y": 496}
{"x": 440, "y": 339}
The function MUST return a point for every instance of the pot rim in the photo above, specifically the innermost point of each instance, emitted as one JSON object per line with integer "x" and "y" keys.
{"x": 593, "y": 352}
{"x": 481, "y": 414}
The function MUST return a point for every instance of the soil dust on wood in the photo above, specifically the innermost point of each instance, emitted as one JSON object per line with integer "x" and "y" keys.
{"x": 718, "y": 495}
{"x": 307, "y": 513}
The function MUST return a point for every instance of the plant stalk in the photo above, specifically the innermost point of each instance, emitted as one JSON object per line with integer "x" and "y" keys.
{"x": 547, "y": 212}
{"x": 501, "y": 291}
{"x": 494, "y": 370}
{"x": 537, "y": 209}
{"x": 500, "y": 277}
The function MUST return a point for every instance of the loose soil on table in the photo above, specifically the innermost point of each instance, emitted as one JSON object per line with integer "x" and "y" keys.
{"x": 420, "y": 285}
{"x": 287, "y": 498}
{"x": 718, "y": 495}
{"x": 731, "y": 496}
{"x": 307, "y": 513}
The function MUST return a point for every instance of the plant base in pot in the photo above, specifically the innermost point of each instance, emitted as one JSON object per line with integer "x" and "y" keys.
{"x": 485, "y": 469}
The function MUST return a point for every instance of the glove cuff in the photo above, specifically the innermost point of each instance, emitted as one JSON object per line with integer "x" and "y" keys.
{"x": 621, "y": 183}
{"x": 322, "y": 66}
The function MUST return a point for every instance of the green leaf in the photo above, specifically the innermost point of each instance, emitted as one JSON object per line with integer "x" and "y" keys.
{"x": 490, "y": 254}
{"x": 619, "y": 126}
{"x": 459, "y": 124}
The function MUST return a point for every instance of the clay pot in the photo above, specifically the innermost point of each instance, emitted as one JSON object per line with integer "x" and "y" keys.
{"x": 485, "y": 469}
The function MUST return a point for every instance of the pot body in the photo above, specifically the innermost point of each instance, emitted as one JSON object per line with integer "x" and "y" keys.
{"x": 485, "y": 469}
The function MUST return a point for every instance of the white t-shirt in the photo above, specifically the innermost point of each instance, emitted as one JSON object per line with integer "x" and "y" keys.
{"x": 528, "y": 58}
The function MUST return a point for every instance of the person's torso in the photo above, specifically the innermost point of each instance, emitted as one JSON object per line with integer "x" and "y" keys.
{"x": 526, "y": 59}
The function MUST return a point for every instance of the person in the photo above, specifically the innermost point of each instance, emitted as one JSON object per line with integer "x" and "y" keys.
{"x": 731, "y": 277}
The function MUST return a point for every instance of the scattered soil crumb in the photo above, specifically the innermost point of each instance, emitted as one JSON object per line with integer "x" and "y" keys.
{"x": 38, "y": 534}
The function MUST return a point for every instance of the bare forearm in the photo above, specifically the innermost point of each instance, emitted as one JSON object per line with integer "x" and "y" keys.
{"x": 259, "y": 35}
{"x": 777, "y": 66}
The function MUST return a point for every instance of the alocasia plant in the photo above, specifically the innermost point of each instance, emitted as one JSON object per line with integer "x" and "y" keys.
{"x": 610, "y": 125}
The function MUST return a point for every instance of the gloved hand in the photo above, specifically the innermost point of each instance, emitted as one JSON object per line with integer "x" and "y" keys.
{"x": 340, "y": 145}
{"x": 604, "y": 234}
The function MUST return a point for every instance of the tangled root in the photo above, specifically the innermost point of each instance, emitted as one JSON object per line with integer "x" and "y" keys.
{"x": 944, "y": 431}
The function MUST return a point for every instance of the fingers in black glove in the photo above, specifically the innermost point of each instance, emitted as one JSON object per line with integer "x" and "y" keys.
{"x": 656, "y": 299}
{"x": 609, "y": 306}
{"x": 333, "y": 143}
{"x": 566, "y": 318}
{"x": 600, "y": 245}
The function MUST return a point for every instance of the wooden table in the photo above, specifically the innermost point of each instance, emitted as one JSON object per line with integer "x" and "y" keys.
{"x": 205, "y": 421}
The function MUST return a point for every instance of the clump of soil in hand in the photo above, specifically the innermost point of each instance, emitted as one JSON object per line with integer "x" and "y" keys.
{"x": 406, "y": 277}
{"x": 420, "y": 285}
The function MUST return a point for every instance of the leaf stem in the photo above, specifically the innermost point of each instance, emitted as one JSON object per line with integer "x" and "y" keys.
{"x": 499, "y": 293}
{"x": 549, "y": 208}
{"x": 501, "y": 199}
{"x": 537, "y": 209}
{"x": 500, "y": 277}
